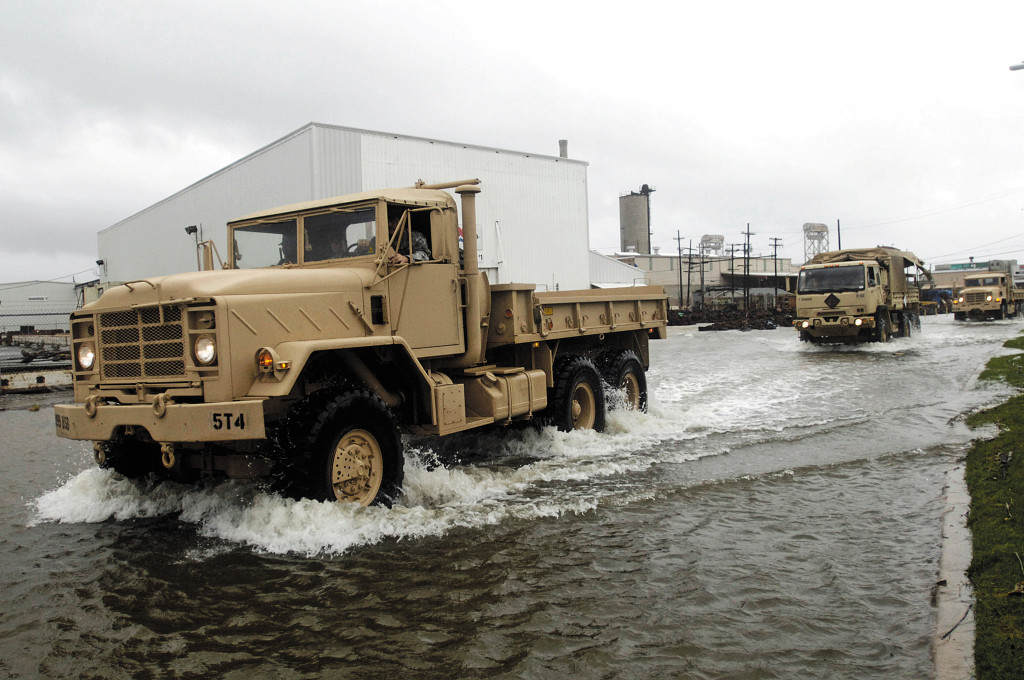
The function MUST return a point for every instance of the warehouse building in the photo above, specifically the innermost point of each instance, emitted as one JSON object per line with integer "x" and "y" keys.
{"x": 36, "y": 306}
{"x": 533, "y": 223}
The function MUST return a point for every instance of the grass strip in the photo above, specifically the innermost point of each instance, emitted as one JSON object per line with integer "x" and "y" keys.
{"x": 995, "y": 480}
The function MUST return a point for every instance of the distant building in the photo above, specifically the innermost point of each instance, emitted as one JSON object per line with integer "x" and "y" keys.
{"x": 35, "y": 306}
{"x": 532, "y": 215}
{"x": 722, "y": 274}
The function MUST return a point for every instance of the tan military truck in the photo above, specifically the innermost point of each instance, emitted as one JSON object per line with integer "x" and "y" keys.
{"x": 988, "y": 295}
{"x": 335, "y": 325}
{"x": 858, "y": 295}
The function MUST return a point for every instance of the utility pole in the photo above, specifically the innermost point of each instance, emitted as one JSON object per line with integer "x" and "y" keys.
{"x": 746, "y": 271}
{"x": 700, "y": 252}
{"x": 679, "y": 247}
{"x": 775, "y": 263}
{"x": 839, "y": 235}
{"x": 689, "y": 270}
{"x": 732, "y": 270}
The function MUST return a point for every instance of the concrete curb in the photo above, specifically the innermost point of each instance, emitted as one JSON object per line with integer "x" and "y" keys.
{"x": 953, "y": 640}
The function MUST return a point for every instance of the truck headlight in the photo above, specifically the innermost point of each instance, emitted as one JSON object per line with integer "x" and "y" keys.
{"x": 86, "y": 356}
{"x": 960, "y": 299}
{"x": 806, "y": 324}
{"x": 858, "y": 322}
{"x": 205, "y": 350}
{"x": 988, "y": 298}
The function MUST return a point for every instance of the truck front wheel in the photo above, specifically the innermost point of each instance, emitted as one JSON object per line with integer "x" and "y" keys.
{"x": 577, "y": 400}
{"x": 622, "y": 370}
{"x": 882, "y": 328}
{"x": 130, "y": 457}
{"x": 355, "y": 452}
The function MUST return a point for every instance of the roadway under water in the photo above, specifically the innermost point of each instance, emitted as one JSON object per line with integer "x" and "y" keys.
{"x": 777, "y": 514}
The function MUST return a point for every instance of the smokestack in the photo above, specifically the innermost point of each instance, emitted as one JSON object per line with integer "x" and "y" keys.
{"x": 563, "y": 148}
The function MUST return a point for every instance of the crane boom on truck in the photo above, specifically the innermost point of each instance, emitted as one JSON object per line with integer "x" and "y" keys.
{"x": 336, "y": 325}
{"x": 858, "y": 295}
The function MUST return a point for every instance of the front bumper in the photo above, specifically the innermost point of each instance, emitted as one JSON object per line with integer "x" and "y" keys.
{"x": 976, "y": 309}
{"x": 165, "y": 422}
{"x": 835, "y": 326}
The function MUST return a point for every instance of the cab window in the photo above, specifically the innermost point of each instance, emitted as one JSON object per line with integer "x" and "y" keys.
{"x": 338, "y": 235}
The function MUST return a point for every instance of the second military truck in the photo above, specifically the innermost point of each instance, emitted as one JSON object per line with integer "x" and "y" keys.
{"x": 988, "y": 295}
{"x": 336, "y": 325}
{"x": 858, "y": 295}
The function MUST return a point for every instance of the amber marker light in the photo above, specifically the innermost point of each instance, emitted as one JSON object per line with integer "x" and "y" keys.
{"x": 265, "y": 360}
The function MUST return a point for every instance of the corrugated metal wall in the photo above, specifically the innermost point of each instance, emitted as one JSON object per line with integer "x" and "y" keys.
{"x": 532, "y": 213}
{"x": 153, "y": 242}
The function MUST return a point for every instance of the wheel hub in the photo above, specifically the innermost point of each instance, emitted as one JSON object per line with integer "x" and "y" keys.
{"x": 357, "y": 468}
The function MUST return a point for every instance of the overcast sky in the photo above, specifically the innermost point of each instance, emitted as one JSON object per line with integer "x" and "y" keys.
{"x": 900, "y": 119}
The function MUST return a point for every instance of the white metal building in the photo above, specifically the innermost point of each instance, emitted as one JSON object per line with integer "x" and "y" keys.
{"x": 532, "y": 212}
{"x": 32, "y": 306}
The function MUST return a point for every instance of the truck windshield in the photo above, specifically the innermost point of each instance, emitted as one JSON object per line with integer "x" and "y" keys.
{"x": 265, "y": 245}
{"x": 831, "y": 279}
{"x": 987, "y": 281}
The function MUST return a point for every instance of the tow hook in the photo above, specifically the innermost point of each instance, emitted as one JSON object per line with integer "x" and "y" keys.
{"x": 99, "y": 453}
{"x": 167, "y": 457}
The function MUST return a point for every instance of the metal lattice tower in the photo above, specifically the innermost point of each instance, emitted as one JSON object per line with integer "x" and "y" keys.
{"x": 712, "y": 243}
{"x": 815, "y": 239}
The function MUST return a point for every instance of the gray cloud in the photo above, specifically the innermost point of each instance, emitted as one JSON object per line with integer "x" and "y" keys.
{"x": 901, "y": 120}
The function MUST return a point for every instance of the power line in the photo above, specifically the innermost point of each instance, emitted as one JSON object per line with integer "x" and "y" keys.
{"x": 973, "y": 248}
{"x": 33, "y": 283}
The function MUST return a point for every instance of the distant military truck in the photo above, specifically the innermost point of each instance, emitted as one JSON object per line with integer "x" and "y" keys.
{"x": 859, "y": 295}
{"x": 989, "y": 295}
{"x": 336, "y": 325}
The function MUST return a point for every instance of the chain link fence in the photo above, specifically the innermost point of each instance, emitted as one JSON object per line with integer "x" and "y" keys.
{"x": 35, "y": 354}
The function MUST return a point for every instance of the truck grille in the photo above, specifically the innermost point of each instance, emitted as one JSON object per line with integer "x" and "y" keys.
{"x": 974, "y": 298}
{"x": 148, "y": 342}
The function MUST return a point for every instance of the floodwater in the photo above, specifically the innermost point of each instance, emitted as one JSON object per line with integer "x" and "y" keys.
{"x": 777, "y": 514}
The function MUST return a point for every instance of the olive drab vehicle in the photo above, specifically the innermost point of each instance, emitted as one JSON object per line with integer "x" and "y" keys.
{"x": 336, "y": 325}
{"x": 858, "y": 295}
{"x": 989, "y": 295}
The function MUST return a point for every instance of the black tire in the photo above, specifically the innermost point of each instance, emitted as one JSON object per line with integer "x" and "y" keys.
{"x": 623, "y": 370}
{"x": 352, "y": 452}
{"x": 131, "y": 458}
{"x": 882, "y": 327}
{"x": 1002, "y": 312}
{"x": 959, "y": 316}
{"x": 577, "y": 399}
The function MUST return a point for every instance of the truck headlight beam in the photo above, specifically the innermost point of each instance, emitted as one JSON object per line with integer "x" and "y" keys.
{"x": 86, "y": 356}
{"x": 205, "y": 350}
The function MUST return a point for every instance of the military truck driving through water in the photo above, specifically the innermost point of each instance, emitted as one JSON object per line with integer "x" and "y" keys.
{"x": 859, "y": 295}
{"x": 989, "y": 295}
{"x": 335, "y": 325}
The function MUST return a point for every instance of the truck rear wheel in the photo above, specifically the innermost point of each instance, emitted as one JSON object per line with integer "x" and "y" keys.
{"x": 577, "y": 400}
{"x": 622, "y": 370}
{"x": 354, "y": 452}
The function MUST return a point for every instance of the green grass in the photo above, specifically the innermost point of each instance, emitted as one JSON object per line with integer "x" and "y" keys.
{"x": 995, "y": 479}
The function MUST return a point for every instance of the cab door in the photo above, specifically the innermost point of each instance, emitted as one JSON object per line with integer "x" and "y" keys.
{"x": 425, "y": 307}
